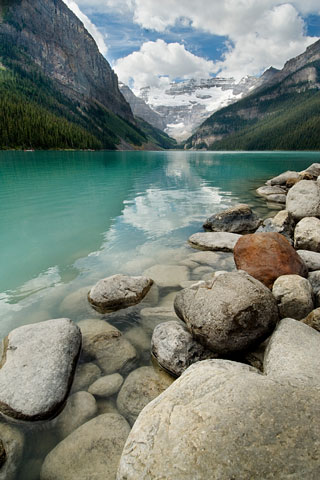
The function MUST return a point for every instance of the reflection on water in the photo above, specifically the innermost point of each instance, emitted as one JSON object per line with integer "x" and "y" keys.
{"x": 69, "y": 219}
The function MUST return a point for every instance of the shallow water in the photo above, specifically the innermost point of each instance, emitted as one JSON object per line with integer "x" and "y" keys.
{"x": 71, "y": 218}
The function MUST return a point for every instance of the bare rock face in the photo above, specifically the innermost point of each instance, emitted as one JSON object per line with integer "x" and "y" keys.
{"x": 54, "y": 37}
{"x": 294, "y": 296}
{"x": 222, "y": 420}
{"x": 303, "y": 199}
{"x": 37, "y": 368}
{"x": 267, "y": 256}
{"x": 307, "y": 234}
{"x": 118, "y": 291}
{"x": 238, "y": 219}
{"x": 231, "y": 313}
{"x": 175, "y": 349}
{"x": 214, "y": 241}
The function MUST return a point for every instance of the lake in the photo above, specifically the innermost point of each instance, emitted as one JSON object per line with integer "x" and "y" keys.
{"x": 69, "y": 219}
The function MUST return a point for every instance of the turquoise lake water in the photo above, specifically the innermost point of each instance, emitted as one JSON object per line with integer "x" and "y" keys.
{"x": 70, "y": 218}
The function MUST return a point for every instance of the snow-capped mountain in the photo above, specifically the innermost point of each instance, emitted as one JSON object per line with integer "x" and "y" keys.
{"x": 185, "y": 105}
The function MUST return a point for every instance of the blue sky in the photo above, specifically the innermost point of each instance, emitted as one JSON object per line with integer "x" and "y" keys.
{"x": 152, "y": 42}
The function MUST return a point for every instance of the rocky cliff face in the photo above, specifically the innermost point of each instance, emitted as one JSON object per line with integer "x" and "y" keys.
{"x": 141, "y": 109}
{"x": 57, "y": 41}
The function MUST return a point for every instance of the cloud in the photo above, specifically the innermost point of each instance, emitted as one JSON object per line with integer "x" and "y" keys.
{"x": 92, "y": 29}
{"x": 158, "y": 63}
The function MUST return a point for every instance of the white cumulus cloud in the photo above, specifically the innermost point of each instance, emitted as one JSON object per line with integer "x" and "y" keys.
{"x": 92, "y": 29}
{"x": 158, "y": 63}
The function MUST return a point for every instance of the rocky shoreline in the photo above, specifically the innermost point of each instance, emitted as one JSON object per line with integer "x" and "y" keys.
{"x": 238, "y": 322}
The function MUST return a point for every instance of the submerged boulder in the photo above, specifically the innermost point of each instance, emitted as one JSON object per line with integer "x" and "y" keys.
{"x": 168, "y": 275}
{"x": 118, "y": 291}
{"x": 238, "y": 219}
{"x": 214, "y": 241}
{"x": 140, "y": 387}
{"x": 175, "y": 349}
{"x": 92, "y": 451}
{"x": 231, "y": 313}
{"x": 11, "y": 450}
{"x": 222, "y": 420}
{"x": 37, "y": 368}
{"x": 267, "y": 256}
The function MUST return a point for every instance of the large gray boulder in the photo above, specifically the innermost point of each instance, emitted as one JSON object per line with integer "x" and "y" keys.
{"x": 294, "y": 296}
{"x": 175, "y": 349}
{"x": 106, "y": 345}
{"x": 231, "y": 313}
{"x": 292, "y": 355}
{"x": 303, "y": 199}
{"x": 37, "y": 367}
{"x": 282, "y": 223}
{"x": 79, "y": 409}
{"x": 311, "y": 259}
{"x": 222, "y": 420}
{"x": 140, "y": 387}
{"x": 90, "y": 452}
{"x": 214, "y": 241}
{"x": 307, "y": 234}
{"x": 118, "y": 291}
{"x": 267, "y": 191}
{"x": 314, "y": 169}
{"x": 237, "y": 219}
{"x": 11, "y": 450}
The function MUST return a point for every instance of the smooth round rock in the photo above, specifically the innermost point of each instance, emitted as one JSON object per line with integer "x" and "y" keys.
{"x": 231, "y": 313}
{"x": 168, "y": 275}
{"x": 12, "y": 443}
{"x": 140, "y": 387}
{"x": 303, "y": 199}
{"x": 90, "y": 452}
{"x": 268, "y": 191}
{"x": 237, "y": 219}
{"x": 138, "y": 338}
{"x": 106, "y": 386}
{"x": 105, "y": 344}
{"x": 280, "y": 198}
{"x": 294, "y": 296}
{"x": 222, "y": 420}
{"x": 118, "y": 291}
{"x": 86, "y": 374}
{"x": 80, "y": 408}
{"x": 214, "y": 241}
{"x": 267, "y": 256}
{"x": 313, "y": 319}
{"x": 307, "y": 234}
{"x": 37, "y": 368}
{"x": 311, "y": 259}
{"x": 175, "y": 349}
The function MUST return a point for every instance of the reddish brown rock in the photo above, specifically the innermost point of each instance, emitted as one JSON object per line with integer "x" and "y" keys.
{"x": 267, "y": 256}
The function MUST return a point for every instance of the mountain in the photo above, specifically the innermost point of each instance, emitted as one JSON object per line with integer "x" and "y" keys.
{"x": 183, "y": 106}
{"x": 282, "y": 112}
{"x": 56, "y": 89}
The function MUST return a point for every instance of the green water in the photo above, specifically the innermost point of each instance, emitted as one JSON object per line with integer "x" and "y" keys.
{"x": 70, "y": 218}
